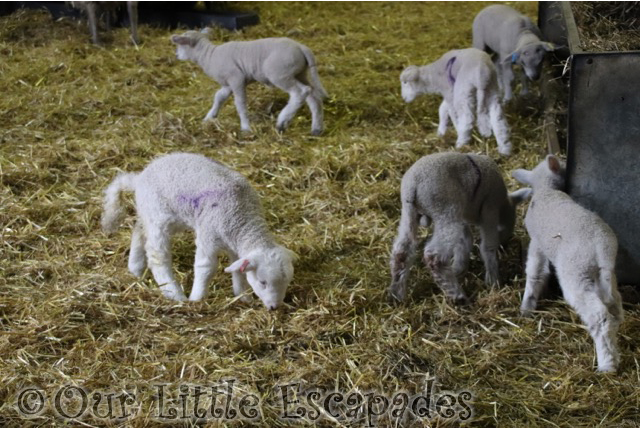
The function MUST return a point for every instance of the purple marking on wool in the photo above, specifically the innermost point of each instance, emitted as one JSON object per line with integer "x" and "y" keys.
{"x": 195, "y": 201}
{"x": 449, "y": 67}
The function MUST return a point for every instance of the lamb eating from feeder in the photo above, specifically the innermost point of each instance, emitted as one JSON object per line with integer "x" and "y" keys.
{"x": 464, "y": 78}
{"x": 279, "y": 62}
{"x": 515, "y": 40}
{"x": 454, "y": 191}
{"x": 187, "y": 191}
{"x": 582, "y": 248}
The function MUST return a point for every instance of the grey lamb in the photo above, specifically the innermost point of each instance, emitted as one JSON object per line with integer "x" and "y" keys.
{"x": 515, "y": 40}
{"x": 280, "y": 62}
{"x": 582, "y": 248}
{"x": 187, "y": 191}
{"x": 454, "y": 191}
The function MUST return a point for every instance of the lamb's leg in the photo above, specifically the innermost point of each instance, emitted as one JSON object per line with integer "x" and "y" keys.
{"x": 613, "y": 300}
{"x": 482, "y": 113}
{"x": 205, "y": 265}
{"x": 507, "y": 76}
{"x": 219, "y": 99}
{"x": 462, "y": 251}
{"x": 524, "y": 82}
{"x": 298, "y": 93}
{"x": 317, "y": 116}
{"x": 403, "y": 253}
{"x": 490, "y": 243}
{"x": 581, "y": 294}
{"x": 132, "y": 8}
{"x": 240, "y": 99}
{"x": 537, "y": 272}
{"x": 463, "y": 106}
{"x": 499, "y": 126}
{"x": 92, "y": 14}
{"x": 158, "y": 247}
{"x": 137, "y": 258}
{"x": 443, "y": 114}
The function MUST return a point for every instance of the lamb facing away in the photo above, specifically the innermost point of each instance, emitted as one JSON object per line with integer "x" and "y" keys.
{"x": 93, "y": 9}
{"x": 464, "y": 78}
{"x": 279, "y": 62}
{"x": 187, "y": 191}
{"x": 454, "y": 191}
{"x": 515, "y": 39}
{"x": 582, "y": 248}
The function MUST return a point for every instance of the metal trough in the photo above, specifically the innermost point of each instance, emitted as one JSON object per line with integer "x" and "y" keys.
{"x": 603, "y": 133}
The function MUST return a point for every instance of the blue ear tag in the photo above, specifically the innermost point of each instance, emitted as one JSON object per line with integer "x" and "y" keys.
{"x": 514, "y": 57}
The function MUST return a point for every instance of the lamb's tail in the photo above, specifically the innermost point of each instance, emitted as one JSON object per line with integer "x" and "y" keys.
{"x": 318, "y": 89}
{"x": 113, "y": 211}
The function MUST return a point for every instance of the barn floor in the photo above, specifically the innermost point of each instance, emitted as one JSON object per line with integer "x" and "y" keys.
{"x": 73, "y": 115}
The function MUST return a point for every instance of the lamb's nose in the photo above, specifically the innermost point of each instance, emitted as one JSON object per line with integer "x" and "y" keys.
{"x": 272, "y": 307}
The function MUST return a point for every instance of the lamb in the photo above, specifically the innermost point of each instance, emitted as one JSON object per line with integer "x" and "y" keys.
{"x": 515, "y": 39}
{"x": 454, "y": 191}
{"x": 582, "y": 248}
{"x": 463, "y": 77}
{"x": 188, "y": 191}
{"x": 280, "y": 62}
{"x": 94, "y": 8}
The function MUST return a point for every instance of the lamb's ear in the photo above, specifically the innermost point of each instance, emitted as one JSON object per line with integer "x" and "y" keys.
{"x": 554, "y": 164}
{"x": 241, "y": 265}
{"x": 549, "y": 47}
{"x": 522, "y": 175}
{"x": 294, "y": 256}
{"x": 520, "y": 195}
{"x": 181, "y": 40}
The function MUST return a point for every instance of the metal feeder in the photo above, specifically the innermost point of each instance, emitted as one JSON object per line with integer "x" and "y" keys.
{"x": 603, "y": 133}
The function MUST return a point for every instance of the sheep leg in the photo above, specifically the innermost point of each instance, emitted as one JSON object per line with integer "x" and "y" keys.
{"x": 137, "y": 258}
{"x": 298, "y": 92}
{"x": 524, "y": 82}
{"x": 240, "y": 99}
{"x": 482, "y": 113}
{"x": 317, "y": 116}
{"x": 499, "y": 126}
{"x": 205, "y": 265}
{"x": 462, "y": 105}
{"x": 443, "y": 114}
{"x": 403, "y": 253}
{"x": 603, "y": 326}
{"x": 158, "y": 247}
{"x": 537, "y": 272}
{"x": 219, "y": 99}
{"x": 489, "y": 244}
{"x": 93, "y": 21}
{"x": 507, "y": 77}
{"x": 132, "y": 9}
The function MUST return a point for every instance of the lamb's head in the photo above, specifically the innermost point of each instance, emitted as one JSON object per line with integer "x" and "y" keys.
{"x": 269, "y": 272}
{"x": 185, "y": 44}
{"x": 410, "y": 83}
{"x": 530, "y": 58}
{"x": 548, "y": 173}
{"x": 507, "y": 220}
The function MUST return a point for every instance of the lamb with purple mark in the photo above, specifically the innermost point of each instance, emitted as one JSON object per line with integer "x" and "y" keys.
{"x": 183, "y": 191}
{"x": 466, "y": 78}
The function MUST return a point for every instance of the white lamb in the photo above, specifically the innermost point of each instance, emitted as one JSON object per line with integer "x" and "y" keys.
{"x": 187, "y": 191}
{"x": 514, "y": 39}
{"x": 582, "y": 248}
{"x": 279, "y": 62}
{"x": 465, "y": 78}
{"x": 454, "y": 191}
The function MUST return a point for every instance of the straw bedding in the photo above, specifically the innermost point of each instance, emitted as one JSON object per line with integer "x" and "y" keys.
{"x": 73, "y": 115}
